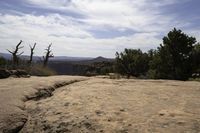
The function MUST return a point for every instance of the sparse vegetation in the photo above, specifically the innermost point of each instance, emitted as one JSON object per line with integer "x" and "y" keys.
{"x": 132, "y": 62}
{"x": 114, "y": 76}
{"x": 99, "y": 68}
{"x": 39, "y": 70}
{"x": 177, "y": 58}
{"x": 36, "y": 69}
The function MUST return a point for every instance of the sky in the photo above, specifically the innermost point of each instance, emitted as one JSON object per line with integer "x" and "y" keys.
{"x": 91, "y": 28}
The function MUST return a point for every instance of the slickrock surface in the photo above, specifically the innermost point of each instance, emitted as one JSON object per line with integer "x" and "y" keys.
{"x": 15, "y": 91}
{"x": 97, "y": 105}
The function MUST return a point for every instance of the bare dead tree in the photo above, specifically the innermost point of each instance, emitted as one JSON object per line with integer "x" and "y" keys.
{"x": 32, "y": 48}
{"x": 48, "y": 55}
{"x": 15, "y": 54}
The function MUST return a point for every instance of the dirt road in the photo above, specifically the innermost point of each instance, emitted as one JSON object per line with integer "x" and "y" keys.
{"x": 117, "y": 106}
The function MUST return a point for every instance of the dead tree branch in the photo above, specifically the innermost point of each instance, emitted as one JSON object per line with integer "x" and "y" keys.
{"x": 48, "y": 55}
{"x": 32, "y": 48}
{"x": 15, "y": 53}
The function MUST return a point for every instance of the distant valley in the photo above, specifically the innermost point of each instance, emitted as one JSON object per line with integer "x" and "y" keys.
{"x": 66, "y": 65}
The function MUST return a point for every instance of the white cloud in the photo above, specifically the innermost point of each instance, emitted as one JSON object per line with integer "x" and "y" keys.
{"x": 138, "y": 15}
{"x": 70, "y": 35}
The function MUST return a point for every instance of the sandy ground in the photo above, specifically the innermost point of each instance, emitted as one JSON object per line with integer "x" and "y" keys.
{"x": 98, "y": 105}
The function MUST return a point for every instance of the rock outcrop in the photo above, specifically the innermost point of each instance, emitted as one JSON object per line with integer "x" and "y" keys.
{"x": 13, "y": 73}
{"x": 4, "y": 73}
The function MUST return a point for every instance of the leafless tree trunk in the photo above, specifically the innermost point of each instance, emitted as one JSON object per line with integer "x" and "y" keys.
{"x": 32, "y": 52}
{"x": 48, "y": 55}
{"x": 15, "y": 55}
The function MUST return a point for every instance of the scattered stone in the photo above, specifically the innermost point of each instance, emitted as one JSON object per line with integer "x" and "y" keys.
{"x": 181, "y": 122}
{"x": 88, "y": 125}
{"x": 20, "y": 73}
{"x": 99, "y": 112}
{"x": 101, "y": 131}
{"x": 86, "y": 117}
{"x": 13, "y": 73}
{"x": 122, "y": 110}
{"x": 58, "y": 113}
{"x": 66, "y": 104}
{"x": 165, "y": 125}
{"x": 161, "y": 114}
{"x": 129, "y": 125}
{"x": 124, "y": 131}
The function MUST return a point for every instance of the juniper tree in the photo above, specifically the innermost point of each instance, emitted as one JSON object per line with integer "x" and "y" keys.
{"x": 174, "y": 57}
{"x": 132, "y": 62}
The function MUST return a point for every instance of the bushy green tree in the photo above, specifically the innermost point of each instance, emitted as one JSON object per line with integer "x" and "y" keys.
{"x": 196, "y": 58}
{"x": 154, "y": 64}
{"x": 132, "y": 62}
{"x": 173, "y": 59}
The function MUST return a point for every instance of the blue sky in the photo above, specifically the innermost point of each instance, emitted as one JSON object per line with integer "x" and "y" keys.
{"x": 92, "y": 28}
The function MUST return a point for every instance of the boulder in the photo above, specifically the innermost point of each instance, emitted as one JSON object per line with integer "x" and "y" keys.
{"x": 19, "y": 73}
{"x": 13, "y": 73}
{"x": 4, "y": 73}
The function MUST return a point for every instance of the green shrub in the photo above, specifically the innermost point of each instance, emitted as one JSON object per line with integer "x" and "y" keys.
{"x": 132, "y": 62}
{"x": 114, "y": 76}
{"x": 152, "y": 74}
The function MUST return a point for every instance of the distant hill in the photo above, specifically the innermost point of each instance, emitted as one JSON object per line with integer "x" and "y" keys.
{"x": 6, "y": 56}
{"x": 68, "y": 58}
{"x": 56, "y": 58}
{"x": 65, "y": 65}
{"x": 101, "y": 59}
{"x": 95, "y": 60}
{"x": 9, "y": 57}
{"x": 75, "y": 67}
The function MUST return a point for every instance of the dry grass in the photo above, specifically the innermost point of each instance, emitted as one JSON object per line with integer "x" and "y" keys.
{"x": 39, "y": 70}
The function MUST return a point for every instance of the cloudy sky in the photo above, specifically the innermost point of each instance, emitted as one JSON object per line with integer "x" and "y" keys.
{"x": 91, "y": 28}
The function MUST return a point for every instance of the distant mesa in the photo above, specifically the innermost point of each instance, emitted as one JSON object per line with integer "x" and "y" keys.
{"x": 101, "y": 59}
{"x": 61, "y": 58}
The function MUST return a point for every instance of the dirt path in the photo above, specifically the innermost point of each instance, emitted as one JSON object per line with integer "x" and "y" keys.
{"x": 117, "y": 106}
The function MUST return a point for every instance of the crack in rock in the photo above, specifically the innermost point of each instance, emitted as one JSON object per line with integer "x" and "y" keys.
{"x": 42, "y": 93}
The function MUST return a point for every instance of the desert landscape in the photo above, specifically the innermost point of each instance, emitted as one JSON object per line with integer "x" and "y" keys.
{"x": 99, "y": 66}
{"x": 64, "y": 104}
